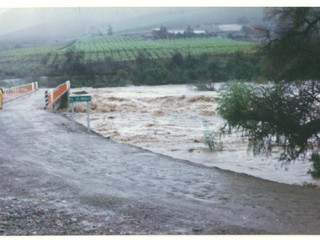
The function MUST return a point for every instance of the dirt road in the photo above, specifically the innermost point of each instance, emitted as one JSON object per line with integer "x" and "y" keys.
{"x": 58, "y": 179}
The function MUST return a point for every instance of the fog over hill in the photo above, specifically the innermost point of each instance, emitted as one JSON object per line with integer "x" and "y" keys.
{"x": 39, "y": 25}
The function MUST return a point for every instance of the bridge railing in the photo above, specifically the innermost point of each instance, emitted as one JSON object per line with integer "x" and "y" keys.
{"x": 19, "y": 91}
{"x": 54, "y": 97}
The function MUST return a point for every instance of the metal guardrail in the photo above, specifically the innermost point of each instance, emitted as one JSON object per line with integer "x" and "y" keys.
{"x": 13, "y": 93}
{"x": 53, "y": 96}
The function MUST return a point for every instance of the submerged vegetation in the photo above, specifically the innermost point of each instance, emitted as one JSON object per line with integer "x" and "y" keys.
{"x": 212, "y": 138}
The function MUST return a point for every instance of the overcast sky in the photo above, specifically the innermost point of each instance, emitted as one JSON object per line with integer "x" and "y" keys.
{"x": 3, "y": 10}
{"x": 154, "y": 3}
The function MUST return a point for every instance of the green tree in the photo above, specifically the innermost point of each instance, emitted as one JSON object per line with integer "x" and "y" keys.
{"x": 163, "y": 33}
{"x": 216, "y": 71}
{"x": 177, "y": 59}
{"x": 189, "y": 32}
{"x": 292, "y": 43}
{"x": 242, "y": 66}
{"x": 74, "y": 63}
{"x": 284, "y": 113}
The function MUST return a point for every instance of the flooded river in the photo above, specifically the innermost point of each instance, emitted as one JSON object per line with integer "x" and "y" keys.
{"x": 171, "y": 120}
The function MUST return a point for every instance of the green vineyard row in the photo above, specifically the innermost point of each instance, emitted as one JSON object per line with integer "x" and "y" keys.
{"x": 95, "y": 49}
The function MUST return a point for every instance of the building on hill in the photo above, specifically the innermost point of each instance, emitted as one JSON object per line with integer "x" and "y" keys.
{"x": 161, "y": 33}
{"x": 230, "y": 27}
{"x": 232, "y": 31}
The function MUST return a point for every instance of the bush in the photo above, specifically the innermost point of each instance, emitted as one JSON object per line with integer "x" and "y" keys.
{"x": 243, "y": 66}
{"x": 216, "y": 71}
{"x": 315, "y": 159}
{"x": 212, "y": 139}
{"x": 284, "y": 115}
{"x": 205, "y": 86}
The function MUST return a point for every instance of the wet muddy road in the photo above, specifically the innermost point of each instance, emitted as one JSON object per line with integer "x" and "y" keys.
{"x": 96, "y": 186}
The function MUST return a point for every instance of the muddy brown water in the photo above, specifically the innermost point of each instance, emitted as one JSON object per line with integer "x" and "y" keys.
{"x": 44, "y": 156}
{"x": 173, "y": 119}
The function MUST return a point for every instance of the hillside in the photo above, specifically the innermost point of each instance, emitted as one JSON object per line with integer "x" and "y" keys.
{"x": 40, "y": 25}
{"x": 74, "y": 43}
{"x": 101, "y": 54}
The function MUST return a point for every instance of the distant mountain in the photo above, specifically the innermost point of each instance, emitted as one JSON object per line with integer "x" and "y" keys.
{"x": 39, "y": 25}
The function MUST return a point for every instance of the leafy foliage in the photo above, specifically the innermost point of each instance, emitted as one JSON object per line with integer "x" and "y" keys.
{"x": 284, "y": 113}
{"x": 243, "y": 66}
{"x": 292, "y": 43}
{"x": 212, "y": 139}
{"x": 315, "y": 159}
{"x": 278, "y": 115}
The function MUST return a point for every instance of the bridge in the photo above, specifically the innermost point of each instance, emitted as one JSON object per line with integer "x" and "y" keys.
{"x": 14, "y": 93}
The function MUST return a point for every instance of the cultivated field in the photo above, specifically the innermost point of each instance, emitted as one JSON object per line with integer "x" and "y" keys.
{"x": 101, "y": 49}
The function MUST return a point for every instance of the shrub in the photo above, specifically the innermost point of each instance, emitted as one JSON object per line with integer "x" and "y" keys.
{"x": 212, "y": 139}
{"x": 315, "y": 159}
{"x": 205, "y": 86}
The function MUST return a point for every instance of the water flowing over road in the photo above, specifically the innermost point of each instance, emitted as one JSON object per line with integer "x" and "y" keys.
{"x": 103, "y": 187}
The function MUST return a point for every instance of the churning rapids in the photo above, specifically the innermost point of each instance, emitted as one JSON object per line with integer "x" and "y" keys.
{"x": 171, "y": 120}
